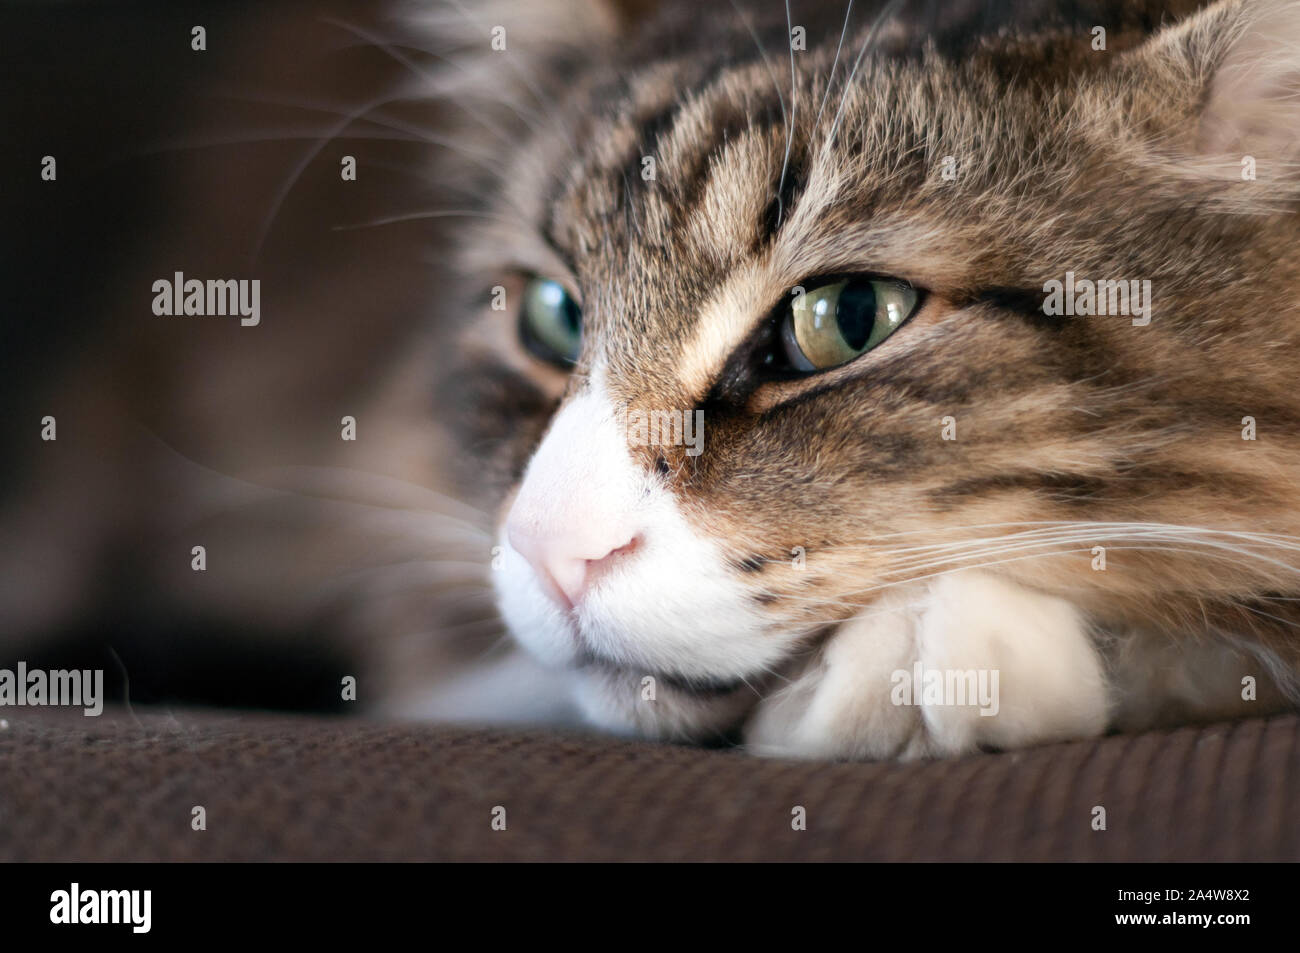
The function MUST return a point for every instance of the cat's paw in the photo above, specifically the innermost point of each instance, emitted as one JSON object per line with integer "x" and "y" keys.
{"x": 968, "y": 661}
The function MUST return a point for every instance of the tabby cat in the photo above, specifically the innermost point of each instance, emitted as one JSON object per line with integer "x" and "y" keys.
{"x": 836, "y": 255}
{"x": 840, "y": 380}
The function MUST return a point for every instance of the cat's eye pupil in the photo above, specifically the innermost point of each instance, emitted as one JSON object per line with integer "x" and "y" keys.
{"x": 831, "y": 323}
{"x": 570, "y": 320}
{"x": 552, "y": 297}
{"x": 856, "y": 313}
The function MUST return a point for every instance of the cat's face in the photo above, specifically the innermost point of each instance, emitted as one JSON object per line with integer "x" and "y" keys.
{"x": 767, "y": 349}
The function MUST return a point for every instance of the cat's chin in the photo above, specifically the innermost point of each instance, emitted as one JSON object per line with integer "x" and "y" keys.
{"x": 632, "y": 696}
{"x": 630, "y": 703}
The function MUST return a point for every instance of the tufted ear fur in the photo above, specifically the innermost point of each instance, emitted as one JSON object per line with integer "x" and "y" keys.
{"x": 1253, "y": 106}
{"x": 498, "y": 67}
{"x": 1233, "y": 71}
{"x": 495, "y": 48}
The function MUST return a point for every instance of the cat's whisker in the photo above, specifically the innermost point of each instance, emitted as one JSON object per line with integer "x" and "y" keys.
{"x": 439, "y": 598}
{"x": 252, "y": 490}
{"x": 1048, "y": 525}
{"x": 762, "y": 54}
{"x": 888, "y": 11}
{"x": 391, "y": 50}
{"x": 421, "y": 216}
{"x": 408, "y": 566}
{"x": 453, "y": 603}
{"x": 348, "y": 117}
{"x": 982, "y": 549}
{"x": 282, "y": 193}
{"x": 485, "y": 625}
{"x": 757, "y": 545}
{"x": 748, "y": 684}
{"x": 1267, "y": 615}
{"x": 789, "y": 132}
{"x": 239, "y": 139}
{"x": 1089, "y": 541}
{"x": 1100, "y": 538}
{"x": 502, "y": 641}
{"x": 1028, "y": 536}
{"x": 470, "y": 596}
{"x": 402, "y": 519}
{"x": 433, "y": 83}
{"x": 327, "y": 475}
{"x": 985, "y": 564}
{"x": 830, "y": 77}
{"x": 411, "y": 131}
{"x": 1058, "y": 540}
{"x": 487, "y": 162}
{"x": 300, "y": 167}
{"x": 771, "y": 672}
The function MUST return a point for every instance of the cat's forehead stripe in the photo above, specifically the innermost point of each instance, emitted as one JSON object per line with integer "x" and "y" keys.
{"x": 676, "y": 259}
{"x": 666, "y": 160}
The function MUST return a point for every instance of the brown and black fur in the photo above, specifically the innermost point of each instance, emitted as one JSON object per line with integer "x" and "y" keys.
{"x": 1071, "y": 159}
{"x": 1105, "y": 163}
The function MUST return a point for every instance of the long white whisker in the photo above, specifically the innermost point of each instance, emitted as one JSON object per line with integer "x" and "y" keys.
{"x": 794, "y": 112}
{"x": 286, "y": 187}
{"x": 429, "y": 214}
{"x": 889, "y": 10}
{"x": 397, "y": 55}
{"x": 830, "y": 77}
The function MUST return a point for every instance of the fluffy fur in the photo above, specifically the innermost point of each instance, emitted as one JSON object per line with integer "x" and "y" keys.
{"x": 1071, "y": 433}
{"x": 770, "y": 589}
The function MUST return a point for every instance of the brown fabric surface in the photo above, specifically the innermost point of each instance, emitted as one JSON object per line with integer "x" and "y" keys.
{"x": 297, "y": 788}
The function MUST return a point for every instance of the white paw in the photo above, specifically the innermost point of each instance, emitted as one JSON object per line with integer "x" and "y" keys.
{"x": 969, "y": 660}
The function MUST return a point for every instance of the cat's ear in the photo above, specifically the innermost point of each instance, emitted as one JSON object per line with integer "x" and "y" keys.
{"x": 499, "y": 66}
{"x": 493, "y": 71}
{"x": 1238, "y": 65}
{"x": 492, "y": 47}
{"x": 1253, "y": 105}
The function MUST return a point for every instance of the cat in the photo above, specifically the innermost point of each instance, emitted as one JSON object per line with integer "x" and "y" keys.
{"x": 735, "y": 411}
{"x": 839, "y": 254}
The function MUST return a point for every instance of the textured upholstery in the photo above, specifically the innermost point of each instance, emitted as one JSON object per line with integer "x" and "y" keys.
{"x": 277, "y": 787}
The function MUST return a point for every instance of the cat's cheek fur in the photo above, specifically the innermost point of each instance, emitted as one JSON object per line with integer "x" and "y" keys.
{"x": 1050, "y": 678}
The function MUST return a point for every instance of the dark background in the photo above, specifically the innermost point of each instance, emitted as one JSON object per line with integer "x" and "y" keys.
{"x": 170, "y": 159}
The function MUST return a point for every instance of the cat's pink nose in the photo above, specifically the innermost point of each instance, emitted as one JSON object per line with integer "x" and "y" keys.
{"x": 569, "y": 560}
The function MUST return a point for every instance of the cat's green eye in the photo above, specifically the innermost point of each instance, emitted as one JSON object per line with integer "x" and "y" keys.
{"x": 550, "y": 323}
{"x": 831, "y": 324}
